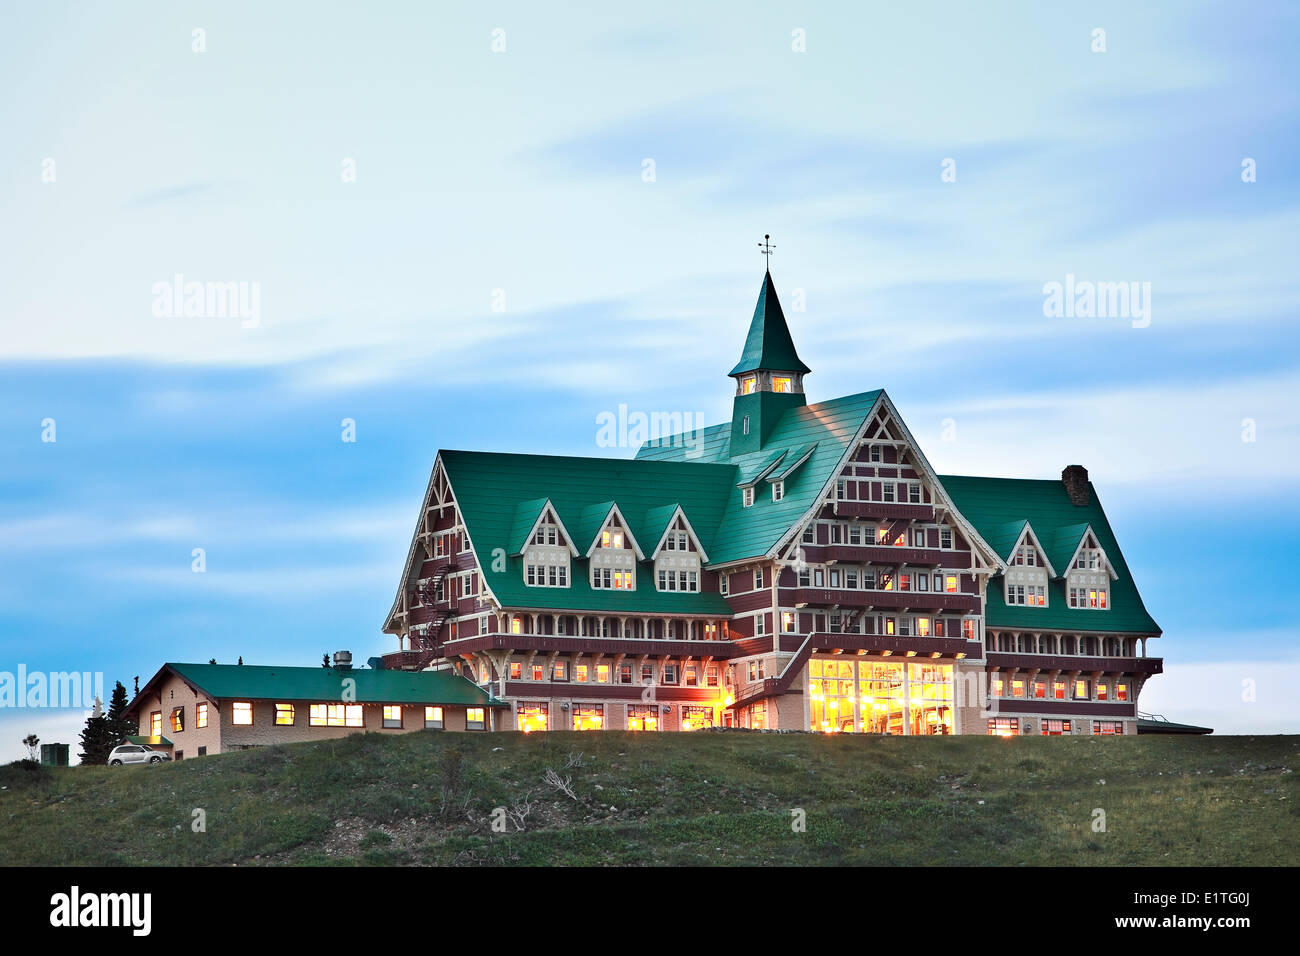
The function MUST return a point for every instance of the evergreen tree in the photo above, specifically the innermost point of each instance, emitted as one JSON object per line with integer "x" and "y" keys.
{"x": 240, "y": 662}
{"x": 95, "y": 742}
{"x": 118, "y": 726}
{"x": 326, "y": 661}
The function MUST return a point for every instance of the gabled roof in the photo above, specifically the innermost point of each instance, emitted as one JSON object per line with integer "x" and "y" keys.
{"x": 769, "y": 345}
{"x": 528, "y": 514}
{"x": 1079, "y": 547}
{"x": 667, "y": 514}
{"x": 594, "y": 520}
{"x": 487, "y": 485}
{"x": 992, "y": 504}
{"x": 323, "y": 684}
{"x": 754, "y": 531}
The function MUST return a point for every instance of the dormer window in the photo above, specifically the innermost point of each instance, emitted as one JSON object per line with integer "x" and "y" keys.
{"x": 778, "y": 490}
{"x": 611, "y": 539}
{"x": 1027, "y": 556}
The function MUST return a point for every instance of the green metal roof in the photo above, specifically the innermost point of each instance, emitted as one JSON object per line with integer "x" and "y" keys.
{"x": 769, "y": 345}
{"x": 488, "y": 485}
{"x": 997, "y": 505}
{"x": 247, "y": 681}
{"x": 148, "y": 741}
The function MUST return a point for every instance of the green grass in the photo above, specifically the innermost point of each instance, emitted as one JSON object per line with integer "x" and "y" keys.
{"x": 675, "y": 799}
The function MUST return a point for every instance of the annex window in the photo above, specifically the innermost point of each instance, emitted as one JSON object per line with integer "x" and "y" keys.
{"x": 392, "y": 716}
{"x": 241, "y": 713}
{"x": 1004, "y": 727}
{"x": 433, "y": 718}
{"x": 1107, "y": 728}
{"x": 588, "y": 717}
{"x": 284, "y": 714}
{"x": 155, "y": 724}
{"x": 335, "y": 715}
{"x": 695, "y": 717}
{"x": 475, "y": 718}
{"x": 1055, "y": 728}
{"x": 200, "y": 715}
{"x": 642, "y": 718}
{"x": 178, "y": 719}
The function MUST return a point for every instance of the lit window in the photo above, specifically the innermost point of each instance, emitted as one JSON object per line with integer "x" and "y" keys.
{"x": 335, "y": 715}
{"x": 1017, "y": 688}
{"x": 516, "y": 625}
{"x": 782, "y": 384}
{"x": 1107, "y": 728}
{"x": 475, "y": 718}
{"x": 1080, "y": 690}
{"x": 433, "y": 718}
{"x": 580, "y": 673}
{"x": 178, "y": 719}
{"x": 1121, "y": 691}
{"x": 950, "y": 584}
{"x": 392, "y": 716}
{"x": 602, "y": 673}
{"x": 748, "y": 384}
{"x": 1055, "y": 728}
{"x": 1103, "y": 690}
{"x": 588, "y": 716}
{"x": 1004, "y": 727}
{"x": 201, "y": 715}
{"x": 1058, "y": 689}
{"x": 242, "y": 713}
{"x": 995, "y": 687}
{"x": 642, "y": 718}
{"x": 155, "y": 724}
{"x": 516, "y": 670}
{"x": 695, "y": 717}
{"x": 558, "y": 671}
{"x": 284, "y": 715}
{"x": 787, "y": 621}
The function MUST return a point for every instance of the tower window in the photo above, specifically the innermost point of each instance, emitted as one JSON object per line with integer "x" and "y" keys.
{"x": 744, "y": 426}
{"x": 782, "y": 383}
{"x": 748, "y": 384}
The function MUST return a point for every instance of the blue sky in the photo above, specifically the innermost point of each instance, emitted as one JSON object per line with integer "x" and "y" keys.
{"x": 485, "y": 177}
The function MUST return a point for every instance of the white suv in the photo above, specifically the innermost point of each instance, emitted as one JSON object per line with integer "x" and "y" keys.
{"x": 135, "y": 753}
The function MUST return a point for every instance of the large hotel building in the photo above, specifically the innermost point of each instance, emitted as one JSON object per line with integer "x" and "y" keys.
{"x": 799, "y": 567}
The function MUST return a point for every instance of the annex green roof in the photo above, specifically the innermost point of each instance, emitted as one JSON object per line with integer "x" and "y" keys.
{"x": 240, "y": 681}
{"x": 769, "y": 345}
{"x": 149, "y": 741}
{"x": 996, "y": 505}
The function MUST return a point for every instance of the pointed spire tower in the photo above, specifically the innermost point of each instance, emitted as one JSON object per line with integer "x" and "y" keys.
{"x": 769, "y": 375}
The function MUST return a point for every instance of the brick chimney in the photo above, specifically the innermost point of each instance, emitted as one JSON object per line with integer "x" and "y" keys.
{"x": 1075, "y": 479}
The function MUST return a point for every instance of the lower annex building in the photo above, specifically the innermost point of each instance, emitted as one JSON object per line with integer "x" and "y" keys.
{"x": 800, "y": 567}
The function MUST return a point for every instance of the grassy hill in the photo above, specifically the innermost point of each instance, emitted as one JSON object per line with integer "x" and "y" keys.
{"x": 708, "y": 798}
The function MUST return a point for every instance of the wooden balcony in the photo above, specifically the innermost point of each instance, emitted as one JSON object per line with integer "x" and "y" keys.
{"x": 605, "y": 646}
{"x": 919, "y": 647}
{"x": 871, "y": 553}
{"x": 883, "y": 509}
{"x": 1144, "y": 666}
{"x": 891, "y": 600}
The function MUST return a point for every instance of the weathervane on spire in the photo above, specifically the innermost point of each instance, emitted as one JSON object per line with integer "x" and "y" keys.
{"x": 767, "y": 248}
